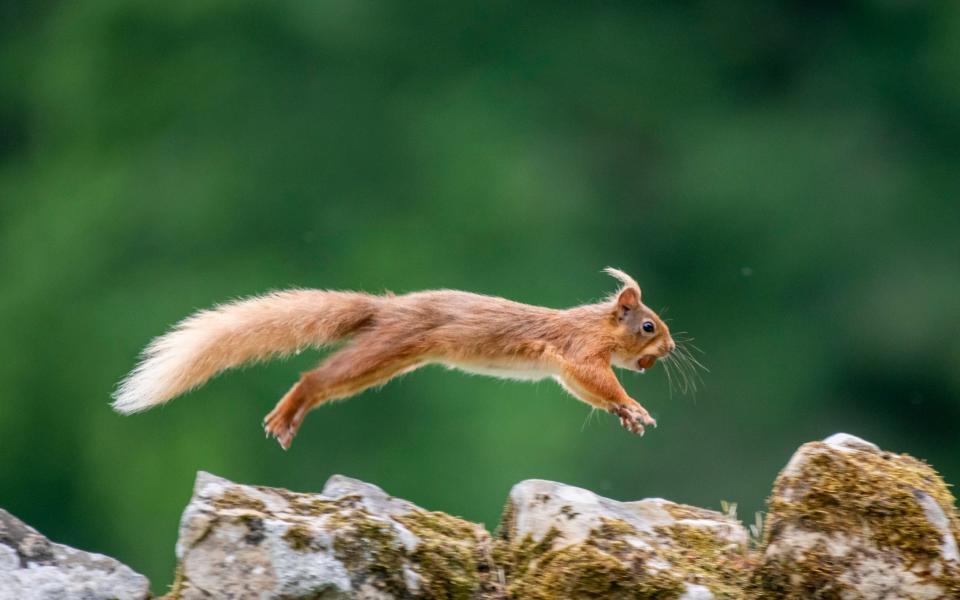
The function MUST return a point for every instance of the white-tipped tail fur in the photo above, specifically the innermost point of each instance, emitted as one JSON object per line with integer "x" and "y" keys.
{"x": 237, "y": 333}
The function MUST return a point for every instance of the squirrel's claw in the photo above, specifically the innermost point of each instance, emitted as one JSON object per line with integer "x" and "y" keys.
{"x": 633, "y": 418}
{"x": 276, "y": 426}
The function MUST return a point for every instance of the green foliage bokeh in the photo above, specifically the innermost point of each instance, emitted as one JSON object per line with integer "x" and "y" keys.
{"x": 784, "y": 176}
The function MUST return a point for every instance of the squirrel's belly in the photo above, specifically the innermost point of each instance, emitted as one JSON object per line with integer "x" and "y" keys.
{"x": 519, "y": 372}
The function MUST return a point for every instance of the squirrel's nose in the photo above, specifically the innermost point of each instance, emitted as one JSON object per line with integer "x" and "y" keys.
{"x": 671, "y": 346}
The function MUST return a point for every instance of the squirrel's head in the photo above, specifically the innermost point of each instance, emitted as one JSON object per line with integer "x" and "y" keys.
{"x": 643, "y": 337}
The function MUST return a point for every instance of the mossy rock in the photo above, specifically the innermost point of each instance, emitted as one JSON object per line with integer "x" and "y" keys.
{"x": 847, "y": 520}
{"x": 558, "y": 541}
{"x": 351, "y": 541}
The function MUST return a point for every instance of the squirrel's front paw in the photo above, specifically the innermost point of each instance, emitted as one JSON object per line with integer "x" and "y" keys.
{"x": 633, "y": 417}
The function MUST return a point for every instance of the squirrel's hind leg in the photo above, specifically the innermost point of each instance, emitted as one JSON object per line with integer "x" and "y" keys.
{"x": 344, "y": 373}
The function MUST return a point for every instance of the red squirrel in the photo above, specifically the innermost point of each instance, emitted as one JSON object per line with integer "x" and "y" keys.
{"x": 389, "y": 335}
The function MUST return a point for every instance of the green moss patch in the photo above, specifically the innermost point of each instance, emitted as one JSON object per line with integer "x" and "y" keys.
{"x": 685, "y": 511}
{"x": 299, "y": 538}
{"x": 706, "y": 559}
{"x": 234, "y": 498}
{"x": 449, "y": 554}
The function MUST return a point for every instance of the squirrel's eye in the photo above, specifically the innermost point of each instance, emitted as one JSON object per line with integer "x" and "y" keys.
{"x": 648, "y": 326}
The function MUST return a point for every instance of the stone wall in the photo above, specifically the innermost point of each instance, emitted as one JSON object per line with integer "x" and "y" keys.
{"x": 845, "y": 520}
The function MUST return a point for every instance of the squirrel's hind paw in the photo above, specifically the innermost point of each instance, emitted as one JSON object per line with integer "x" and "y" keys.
{"x": 283, "y": 433}
{"x": 280, "y": 426}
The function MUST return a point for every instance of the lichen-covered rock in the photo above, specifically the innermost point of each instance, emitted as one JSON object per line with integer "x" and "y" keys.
{"x": 850, "y": 521}
{"x": 560, "y": 541}
{"x": 350, "y": 541}
{"x": 34, "y": 568}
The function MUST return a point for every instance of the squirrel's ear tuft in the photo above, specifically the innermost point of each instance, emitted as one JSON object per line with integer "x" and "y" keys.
{"x": 626, "y": 280}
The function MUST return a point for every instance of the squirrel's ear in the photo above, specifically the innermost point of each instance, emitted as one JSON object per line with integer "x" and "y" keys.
{"x": 627, "y": 300}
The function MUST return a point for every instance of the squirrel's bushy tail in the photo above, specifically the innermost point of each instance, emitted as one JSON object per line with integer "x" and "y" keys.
{"x": 237, "y": 333}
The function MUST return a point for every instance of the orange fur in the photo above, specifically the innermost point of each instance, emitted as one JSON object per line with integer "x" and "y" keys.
{"x": 389, "y": 335}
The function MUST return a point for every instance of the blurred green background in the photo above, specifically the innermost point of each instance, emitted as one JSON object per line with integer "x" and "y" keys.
{"x": 783, "y": 175}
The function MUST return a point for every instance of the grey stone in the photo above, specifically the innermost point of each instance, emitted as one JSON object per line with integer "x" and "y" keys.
{"x": 351, "y": 541}
{"x": 34, "y": 568}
